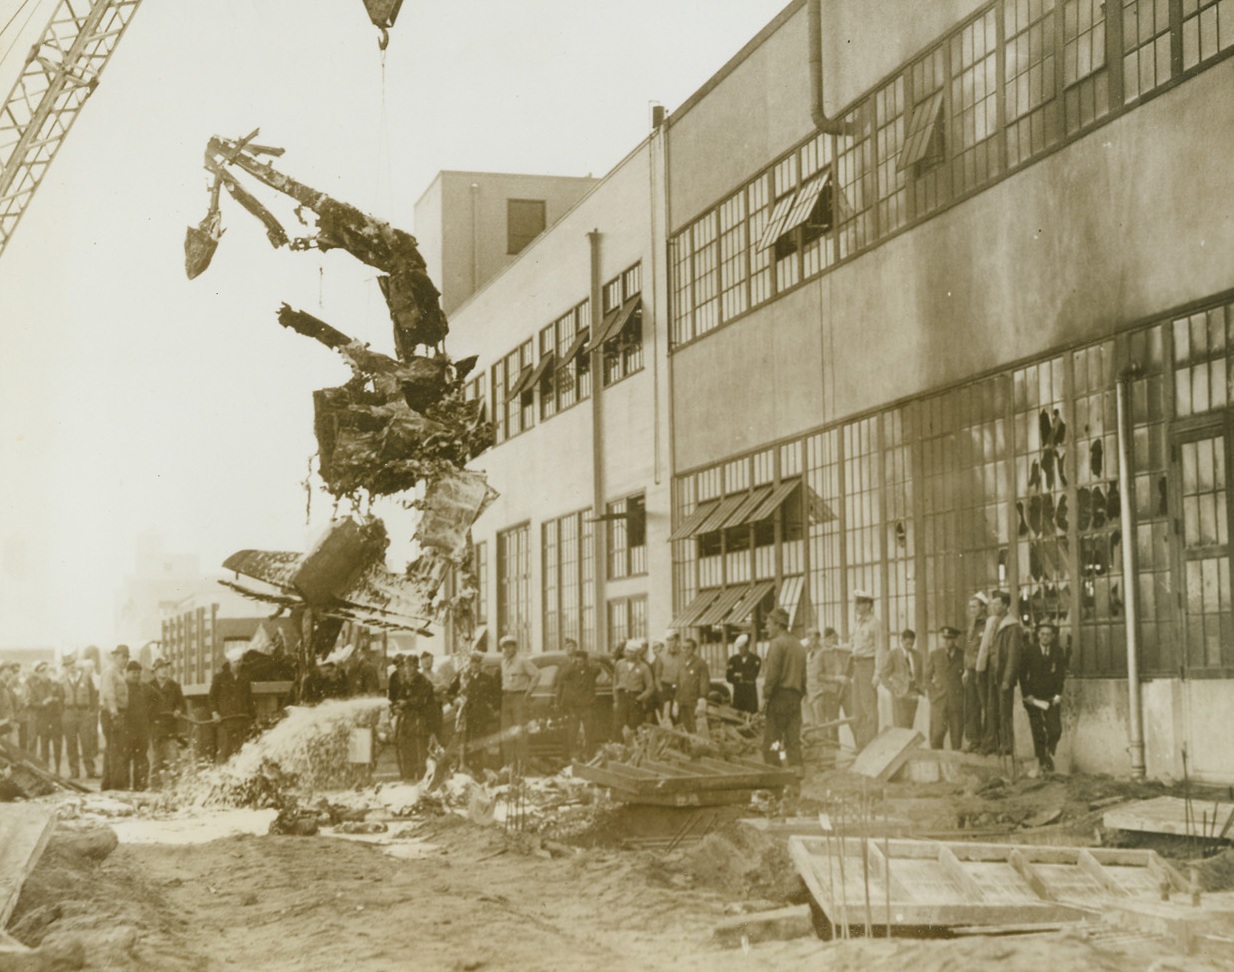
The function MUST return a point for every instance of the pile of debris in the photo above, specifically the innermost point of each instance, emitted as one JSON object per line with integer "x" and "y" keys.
{"x": 308, "y": 752}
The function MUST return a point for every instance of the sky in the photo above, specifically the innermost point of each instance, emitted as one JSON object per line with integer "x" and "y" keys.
{"x": 133, "y": 400}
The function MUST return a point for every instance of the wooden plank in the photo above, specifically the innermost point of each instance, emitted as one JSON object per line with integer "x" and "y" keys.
{"x": 951, "y": 865}
{"x": 25, "y": 829}
{"x": 1092, "y": 867}
{"x": 1162, "y": 815}
{"x": 1029, "y": 874}
{"x": 886, "y": 753}
{"x": 880, "y": 868}
{"x": 691, "y": 798}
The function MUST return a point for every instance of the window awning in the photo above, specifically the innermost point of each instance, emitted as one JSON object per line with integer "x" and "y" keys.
{"x": 775, "y": 225}
{"x": 920, "y": 128}
{"x": 520, "y": 383}
{"x": 741, "y": 515}
{"x": 614, "y": 321}
{"x": 688, "y": 616}
{"x": 743, "y": 606}
{"x": 546, "y": 362}
{"x": 576, "y": 345}
{"x": 819, "y": 509}
{"x": 687, "y": 526}
{"x": 721, "y": 513}
{"x": 776, "y": 499}
{"x": 719, "y": 609}
{"x": 790, "y": 597}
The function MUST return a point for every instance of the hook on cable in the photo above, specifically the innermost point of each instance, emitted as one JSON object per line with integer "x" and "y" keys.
{"x": 384, "y": 42}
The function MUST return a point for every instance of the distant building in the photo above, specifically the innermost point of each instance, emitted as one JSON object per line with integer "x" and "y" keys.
{"x": 199, "y": 632}
{"x": 159, "y": 581}
{"x": 858, "y": 315}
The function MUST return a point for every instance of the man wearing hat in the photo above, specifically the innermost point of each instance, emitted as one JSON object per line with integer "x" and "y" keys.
{"x": 974, "y": 681}
{"x": 411, "y": 697}
{"x": 113, "y": 703}
{"x": 866, "y": 643}
{"x": 784, "y": 686}
{"x": 1043, "y": 670}
{"x": 47, "y": 701}
{"x": 80, "y": 721}
{"x": 742, "y": 674}
{"x": 232, "y": 708}
{"x": 944, "y": 677}
{"x": 1002, "y": 669}
{"x": 668, "y": 670}
{"x": 135, "y": 764}
{"x": 519, "y": 676}
{"x": 693, "y": 685}
{"x": 633, "y": 687}
{"x": 168, "y": 706}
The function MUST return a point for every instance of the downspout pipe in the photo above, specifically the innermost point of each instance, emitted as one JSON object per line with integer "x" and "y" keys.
{"x": 814, "y": 26}
{"x": 1130, "y": 575}
{"x": 599, "y": 538}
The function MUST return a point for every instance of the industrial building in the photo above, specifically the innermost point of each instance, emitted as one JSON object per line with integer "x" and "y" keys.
{"x": 914, "y": 298}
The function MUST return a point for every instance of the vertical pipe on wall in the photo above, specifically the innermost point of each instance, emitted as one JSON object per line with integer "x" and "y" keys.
{"x": 475, "y": 237}
{"x": 1130, "y": 576}
{"x": 599, "y": 536}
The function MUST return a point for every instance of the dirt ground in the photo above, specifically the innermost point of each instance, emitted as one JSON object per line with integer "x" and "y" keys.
{"x": 465, "y": 896}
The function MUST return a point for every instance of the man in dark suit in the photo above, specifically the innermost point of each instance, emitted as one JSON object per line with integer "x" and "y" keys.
{"x": 1043, "y": 669}
{"x": 901, "y": 672}
{"x": 944, "y": 676}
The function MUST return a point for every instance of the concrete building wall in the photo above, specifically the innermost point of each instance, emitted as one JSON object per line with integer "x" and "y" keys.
{"x": 461, "y": 224}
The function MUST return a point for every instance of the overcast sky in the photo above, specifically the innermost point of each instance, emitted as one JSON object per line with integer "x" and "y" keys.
{"x": 132, "y": 399}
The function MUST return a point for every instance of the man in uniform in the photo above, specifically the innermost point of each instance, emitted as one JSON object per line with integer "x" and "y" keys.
{"x": 231, "y": 706}
{"x": 113, "y": 701}
{"x": 633, "y": 687}
{"x": 867, "y": 649}
{"x": 693, "y": 684}
{"x": 944, "y": 676}
{"x": 1042, "y": 672}
{"x": 576, "y": 700}
{"x": 168, "y": 705}
{"x": 47, "y": 700}
{"x": 784, "y": 686}
{"x": 742, "y": 674}
{"x": 519, "y": 676}
{"x": 478, "y": 714}
{"x": 80, "y": 717}
{"x": 411, "y": 697}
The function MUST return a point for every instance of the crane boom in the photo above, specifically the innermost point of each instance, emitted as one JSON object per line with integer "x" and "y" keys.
{"x": 61, "y": 72}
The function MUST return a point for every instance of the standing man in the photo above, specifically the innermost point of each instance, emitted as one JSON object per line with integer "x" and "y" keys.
{"x": 742, "y": 674}
{"x": 974, "y": 681}
{"x": 411, "y": 697}
{"x": 47, "y": 701}
{"x": 434, "y": 709}
{"x": 576, "y": 700}
{"x": 1042, "y": 673}
{"x": 81, "y": 704}
{"x": 784, "y": 686}
{"x": 362, "y": 678}
{"x": 836, "y": 679}
{"x": 135, "y": 765}
{"x": 693, "y": 684}
{"x": 866, "y": 643}
{"x": 1002, "y": 664}
{"x": 901, "y": 673}
{"x": 478, "y": 712}
{"x": 633, "y": 687}
{"x": 113, "y": 702}
{"x": 231, "y": 706}
{"x": 168, "y": 706}
{"x": 8, "y": 704}
{"x": 670, "y": 666}
{"x": 519, "y": 676}
{"x": 944, "y": 675}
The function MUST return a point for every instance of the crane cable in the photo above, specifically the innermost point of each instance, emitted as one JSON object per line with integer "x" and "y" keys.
{"x": 21, "y": 30}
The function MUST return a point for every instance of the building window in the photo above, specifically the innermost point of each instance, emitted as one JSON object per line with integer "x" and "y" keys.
{"x": 1029, "y": 72}
{"x": 855, "y": 173}
{"x": 514, "y": 584}
{"x": 567, "y": 588}
{"x": 514, "y": 389}
{"x": 734, "y": 272}
{"x": 924, "y": 154}
{"x": 1208, "y": 29}
{"x": 476, "y": 390}
{"x": 627, "y": 618}
{"x": 889, "y": 143}
{"x": 620, "y": 333}
{"x": 974, "y": 103}
{"x": 547, "y": 379}
{"x": 1086, "y": 95}
{"x": 1146, "y": 45}
{"x": 525, "y": 220}
{"x": 627, "y": 537}
{"x": 480, "y": 566}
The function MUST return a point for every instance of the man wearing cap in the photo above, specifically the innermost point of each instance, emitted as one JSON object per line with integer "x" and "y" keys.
{"x": 113, "y": 702}
{"x": 867, "y": 648}
{"x": 742, "y": 674}
{"x": 231, "y": 707}
{"x": 974, "y": 682}
{"x": 633, "y": 687}
{"x": 784, "y": 686}
{"x": 576, "y": 700}
{"x": 944, "y": 676}
{"x": 693, "y": 684}
{"x": 477, "y": 715}
{"x": 47, "y": 701}
{"x": 1042, "y": 673}
{"x": 81, "y": 702}
{"x": 668, "y": 671}
{"x": 168, "y": 704}
{"x": 411, "y": 698}
{"x": 135, "y": 764}
{"x": 1002, "y": 665}
{"x": 519, "y": 676}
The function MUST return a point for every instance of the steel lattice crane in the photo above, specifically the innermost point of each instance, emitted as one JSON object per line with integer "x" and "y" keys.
{"x": 61, "y": 72}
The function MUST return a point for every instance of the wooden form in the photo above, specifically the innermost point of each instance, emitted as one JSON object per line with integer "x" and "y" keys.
{"x": 681, "y": 781}
{"x": 886, "y": 753}
{"x": 25, "y": 830}
{"x": 1168, "y": 815}
{"x": 917, "y": 883}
